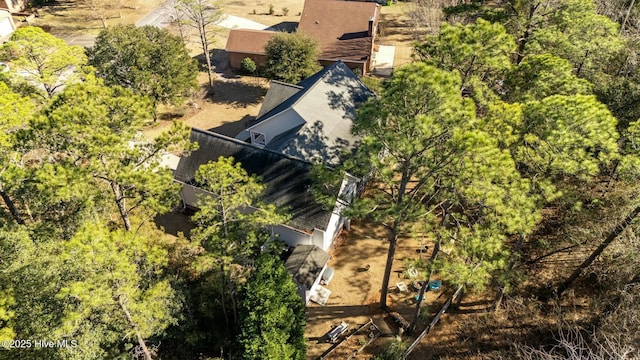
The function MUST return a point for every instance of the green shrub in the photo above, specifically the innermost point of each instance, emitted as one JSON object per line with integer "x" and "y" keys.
{"x": 248, "y": 65}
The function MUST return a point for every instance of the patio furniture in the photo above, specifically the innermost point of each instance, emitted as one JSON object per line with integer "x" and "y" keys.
{"x": 338, "y": 331}
{"x": 435, "y": 285}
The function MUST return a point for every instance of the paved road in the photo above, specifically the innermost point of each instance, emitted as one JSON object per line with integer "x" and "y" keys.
{"x": 80, "y": 40}
{"x": 158, "y": 17}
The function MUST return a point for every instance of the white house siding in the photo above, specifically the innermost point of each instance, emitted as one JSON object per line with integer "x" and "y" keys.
{"x": 336, "y": 222}
{"x": 307, "y": 293}
{"x": 6, "y": 27}
{"x": 318, "y": 239}
{"x": 278, "y": 124}
{"x": 291, "y": 236}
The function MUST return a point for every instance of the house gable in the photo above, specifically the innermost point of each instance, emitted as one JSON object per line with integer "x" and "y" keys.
{"x": 278, "y": 93}
{"x": 315, "y": 122}
{"x": 246, "y": 43}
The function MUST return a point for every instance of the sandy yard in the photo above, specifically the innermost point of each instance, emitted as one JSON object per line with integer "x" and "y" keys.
{"x": 232, "y": 104}
{"x": 356, "y": 292}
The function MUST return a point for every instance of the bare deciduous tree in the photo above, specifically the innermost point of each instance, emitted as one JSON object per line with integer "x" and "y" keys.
{"x": 201, "y": 15}
{"x": 572, "y": 345}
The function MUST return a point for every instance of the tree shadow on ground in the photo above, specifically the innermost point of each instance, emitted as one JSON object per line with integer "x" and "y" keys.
{"x": 237, "y": 93}
{"x": 221, "y": 63}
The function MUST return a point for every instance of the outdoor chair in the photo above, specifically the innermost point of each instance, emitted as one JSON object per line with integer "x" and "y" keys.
{"x": 338, "y": 331}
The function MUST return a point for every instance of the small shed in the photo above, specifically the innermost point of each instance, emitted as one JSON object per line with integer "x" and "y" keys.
{"x": 306, "y": 264}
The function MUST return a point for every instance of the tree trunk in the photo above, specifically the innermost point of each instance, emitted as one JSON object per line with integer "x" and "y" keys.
{"x": 207, "y": 56}
{"x": 512, "y": 264}
{"x": 11, "y": 206}
{"x": 626, "y": 17}
{"x": 222, "y": 291}
{"x": 234, "y": 304}
{"x": 122, "y": 206}
{"x": 433, "y": 323}
{"x": 579, "y": 70}
{"x": 127, "y": 314}
{"x": 522, "y": 42}
{"x": 154, "y": 109}
{"x": 612, "y": 236}
{"x": 393, "y": 239}
{"x": 424, "y": 288}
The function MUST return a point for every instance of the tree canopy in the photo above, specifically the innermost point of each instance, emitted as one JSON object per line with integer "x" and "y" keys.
{"x": 272, "y": 314}
{"x": 419, "y": 136}
{"x": 42, "y": 60}
{"x": 291, "y": 57}
{"x": 147, "y": 60}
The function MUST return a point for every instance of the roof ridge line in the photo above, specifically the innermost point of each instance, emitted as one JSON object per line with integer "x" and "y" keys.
{"x": 286, "y": 83}
{"x": 239, "y": 142}
{"x": 303, "y": 90}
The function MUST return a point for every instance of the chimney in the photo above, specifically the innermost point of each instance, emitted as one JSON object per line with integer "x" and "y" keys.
{"x": 370, "y": 30}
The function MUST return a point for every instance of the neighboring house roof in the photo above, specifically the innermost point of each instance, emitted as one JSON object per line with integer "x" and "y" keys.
{"x": 248, "y": 41}
{"x": 326, "y": 102}
{"x": 306, "y": 263}
{"x": 341, "y": 27}
{"x": 287, "y": 180}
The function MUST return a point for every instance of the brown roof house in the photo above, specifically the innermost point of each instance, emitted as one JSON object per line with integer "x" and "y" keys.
{"x": 344, "y": 29}
{"x": 246, "y": 43}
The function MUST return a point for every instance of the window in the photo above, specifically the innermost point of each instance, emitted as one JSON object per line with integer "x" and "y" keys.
{"x": 258, "y": 139}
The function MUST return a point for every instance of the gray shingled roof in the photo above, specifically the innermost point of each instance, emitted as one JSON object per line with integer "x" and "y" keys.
{"x": 327, "y": 102}
{"x": 286, "y": 179}
{"x": 278, "y": 93}
{"x": 306, "y": 263}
